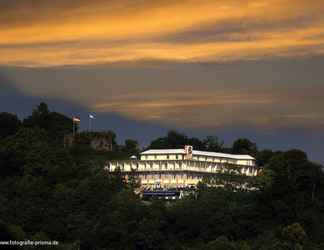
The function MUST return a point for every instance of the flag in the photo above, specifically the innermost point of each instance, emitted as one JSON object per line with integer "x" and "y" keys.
{"x": 76, "y": 119}
{"x": 91, "y": 116}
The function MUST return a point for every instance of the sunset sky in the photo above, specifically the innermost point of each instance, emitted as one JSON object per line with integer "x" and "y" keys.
{"x": 232, "y": 68}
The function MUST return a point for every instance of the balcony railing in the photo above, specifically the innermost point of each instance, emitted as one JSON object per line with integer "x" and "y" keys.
{"x": 179, "y": 166}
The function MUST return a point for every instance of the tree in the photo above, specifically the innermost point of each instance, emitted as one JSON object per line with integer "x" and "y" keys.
{"x": 221, "y": 243}
{"x": 4, "y": 232}
{"x": 29, "y": 148}
{"x": 293, "y": 171}
{"x": 10, "y": 164}
{"x": 196, "y": 143}
{"x": 264, "y": 180}
{"x": 9, "y": 124}
{"x": 176, "y": 139}
{"x": 39, "y": 117}
{"x": 17, "y": 232}
{"x": 55, "y": 124}
{"x": 212, "y": 143}
{"x": 244, "y": 146}
{"x": 159, "y": 143}
{"x": 290, "y": 237}
{"x": 294, "y": 236}
{"x": 173, "y": 139}
{"x": 42, "y": 109}
{"x": 131, "y": 147}
{"x": 264, "y": 156}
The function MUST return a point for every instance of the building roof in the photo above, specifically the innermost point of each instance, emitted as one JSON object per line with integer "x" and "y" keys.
{"x": 197, "y": 152}
{"x": 223, "y": 155}
{"x": 163, "y": 151}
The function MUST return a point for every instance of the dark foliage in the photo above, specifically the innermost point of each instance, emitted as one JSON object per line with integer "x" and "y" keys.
{"x": 9, "y": 124}
{"x": 244, "y": 146}
{"x": 55, "y": 124}
{"x": 175, "y": 139}
{"x": 64, "y": 194}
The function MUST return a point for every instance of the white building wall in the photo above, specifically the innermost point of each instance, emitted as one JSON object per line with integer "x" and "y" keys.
{"x": 245, "y": 162}
{"x": 161, "y": 157}
{"x": 166, "y": 169}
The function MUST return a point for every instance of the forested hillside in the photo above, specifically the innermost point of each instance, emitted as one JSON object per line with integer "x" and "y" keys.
{"x": 51, "y": 192}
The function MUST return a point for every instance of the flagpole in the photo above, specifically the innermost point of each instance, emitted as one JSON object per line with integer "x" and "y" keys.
{"x": 91, "y": 117}
{"x": 75, "y": 120}
{"x": 73, "y": 127}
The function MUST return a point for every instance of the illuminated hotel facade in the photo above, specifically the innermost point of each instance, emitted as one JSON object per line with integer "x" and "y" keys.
{"x": 180, "y": 168}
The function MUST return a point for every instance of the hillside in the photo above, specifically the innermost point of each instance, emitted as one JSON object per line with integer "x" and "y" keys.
{"x": 57, "y": 193}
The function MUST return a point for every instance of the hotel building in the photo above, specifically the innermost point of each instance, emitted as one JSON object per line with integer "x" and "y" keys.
{"x": 180, "y": 168}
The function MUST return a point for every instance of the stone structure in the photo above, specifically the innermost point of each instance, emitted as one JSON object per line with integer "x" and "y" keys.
{"x": 101, "y": 141}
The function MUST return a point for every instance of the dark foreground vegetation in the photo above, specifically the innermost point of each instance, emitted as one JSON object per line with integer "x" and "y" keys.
{"x": 48, "y": 192}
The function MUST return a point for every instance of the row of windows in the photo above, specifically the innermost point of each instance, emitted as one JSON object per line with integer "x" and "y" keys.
{"x": 174, "y": 167}
{"x": 181, "y": 157}
{"x": 178, "y": 157}
{"x": 161, "y": 176}
{"x": 165, "y": 166}
{"x": 216, "y": 168}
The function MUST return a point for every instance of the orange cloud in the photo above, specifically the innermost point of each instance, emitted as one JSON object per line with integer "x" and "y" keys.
{"x": 103, "y": 32}
{"x": 261, "y": 94}
{"x": 202, "y": 109}
{"x": 174, "y": 37}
